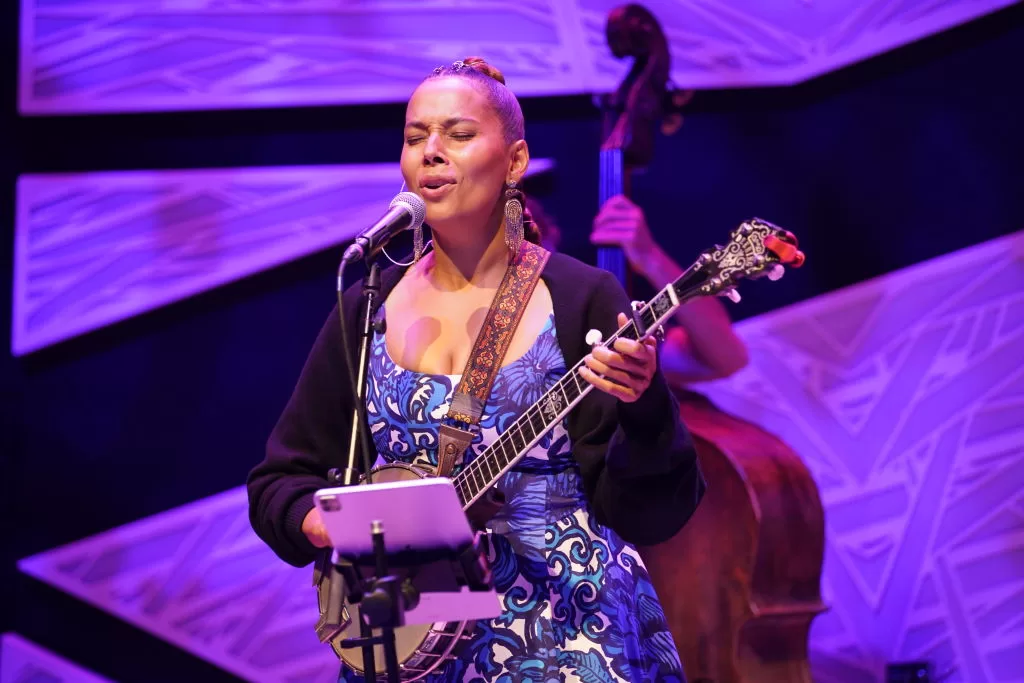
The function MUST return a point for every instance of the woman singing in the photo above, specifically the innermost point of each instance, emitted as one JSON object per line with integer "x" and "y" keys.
{"x": 619, "y": 470}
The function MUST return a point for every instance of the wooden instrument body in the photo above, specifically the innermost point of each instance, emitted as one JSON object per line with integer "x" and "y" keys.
{"x": 740, "y": 583}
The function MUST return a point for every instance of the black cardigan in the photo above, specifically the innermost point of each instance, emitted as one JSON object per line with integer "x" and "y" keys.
{"x": 637, "y": 460}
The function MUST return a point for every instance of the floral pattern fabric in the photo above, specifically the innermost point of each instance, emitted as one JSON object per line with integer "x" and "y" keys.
{"x": 579, "y": 606}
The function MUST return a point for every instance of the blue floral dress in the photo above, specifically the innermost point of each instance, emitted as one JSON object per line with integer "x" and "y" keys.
{"x": 578, "y": 604}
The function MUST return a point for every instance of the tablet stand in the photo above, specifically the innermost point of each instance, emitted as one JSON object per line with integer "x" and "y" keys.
{"x": 384, "y": 598}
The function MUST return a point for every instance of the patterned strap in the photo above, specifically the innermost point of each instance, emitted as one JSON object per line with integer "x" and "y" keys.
{"x": 488, "y": 351}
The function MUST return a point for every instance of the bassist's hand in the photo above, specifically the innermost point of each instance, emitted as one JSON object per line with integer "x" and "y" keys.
{"x": 621, "y": 223}
{"x": 313, "y": 527}
{"x": 624, "y": 371}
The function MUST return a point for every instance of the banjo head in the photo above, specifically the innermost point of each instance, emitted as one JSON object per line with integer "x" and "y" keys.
{"x": 421, "y": 648}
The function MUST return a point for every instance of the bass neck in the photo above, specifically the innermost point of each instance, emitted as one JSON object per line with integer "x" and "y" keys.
{"x": 613, "y": 181}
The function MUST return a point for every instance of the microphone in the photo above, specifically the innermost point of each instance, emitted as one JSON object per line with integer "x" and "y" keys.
{"x": 406, "y": 212}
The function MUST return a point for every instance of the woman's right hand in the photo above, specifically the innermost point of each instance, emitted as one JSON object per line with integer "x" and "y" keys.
{"x": 313, "y": 527}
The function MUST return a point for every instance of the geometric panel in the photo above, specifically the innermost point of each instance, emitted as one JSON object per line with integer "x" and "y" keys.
{"x": 92, "y": 249}
{"x": 904, "y": 395}
{"x": 106, "y": 56}
{"x": 198, "y": 577}
{"x": 22, "y": 661}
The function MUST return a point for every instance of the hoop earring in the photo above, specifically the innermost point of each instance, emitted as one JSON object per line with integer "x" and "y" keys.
{"x": 513, "y": 220}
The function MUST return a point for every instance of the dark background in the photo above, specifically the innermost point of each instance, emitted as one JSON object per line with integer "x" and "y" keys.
{"x": 888, "y": 163}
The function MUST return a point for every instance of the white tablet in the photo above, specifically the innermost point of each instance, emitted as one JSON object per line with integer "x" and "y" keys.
{"x": 416, "y": 515}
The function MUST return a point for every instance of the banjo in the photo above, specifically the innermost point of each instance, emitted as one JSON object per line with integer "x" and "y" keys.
{"x": 756, "y": 248}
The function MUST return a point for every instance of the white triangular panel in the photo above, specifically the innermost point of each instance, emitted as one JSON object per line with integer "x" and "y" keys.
{"x": 22, "y": 661}
{"x": 86, "y": 56}
{"x": 92, "y": 249}
{"x": 198, "y": 577}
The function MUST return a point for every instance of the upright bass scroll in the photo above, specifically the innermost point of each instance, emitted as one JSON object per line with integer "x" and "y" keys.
{"x": 631, "y": 113}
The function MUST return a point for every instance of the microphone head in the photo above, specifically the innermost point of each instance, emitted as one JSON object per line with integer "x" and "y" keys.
{"x": 414, "y": 204}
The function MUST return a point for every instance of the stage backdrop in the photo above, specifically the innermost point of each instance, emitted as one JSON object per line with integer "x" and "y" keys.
{"x": 893, "y": 162}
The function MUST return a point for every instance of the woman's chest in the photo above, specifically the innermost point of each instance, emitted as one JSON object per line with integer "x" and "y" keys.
{"x": 406, "y": 408}
{"x": 434, "y": 333}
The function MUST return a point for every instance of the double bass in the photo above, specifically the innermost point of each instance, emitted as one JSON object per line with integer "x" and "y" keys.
{"x": 740, "y": 583}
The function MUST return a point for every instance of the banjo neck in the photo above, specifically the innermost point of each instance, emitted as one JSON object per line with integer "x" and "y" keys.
{"x": 483, "y": 472}
{"x": 756, "y": 248}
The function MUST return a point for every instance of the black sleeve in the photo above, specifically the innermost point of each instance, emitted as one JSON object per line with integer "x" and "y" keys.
{"x": 637, "y": 460}
{"x": 310, "y": 437}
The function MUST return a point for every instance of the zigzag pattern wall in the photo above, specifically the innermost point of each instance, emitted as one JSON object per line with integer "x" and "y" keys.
{"x": 900, "y": 394}
{"x": 903, "y": 395}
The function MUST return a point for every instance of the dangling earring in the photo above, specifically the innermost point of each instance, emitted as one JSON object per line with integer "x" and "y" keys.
{"x": 417, "y": 232}
{"x": 513, "y": 220}
{"x": 417, "y": 243}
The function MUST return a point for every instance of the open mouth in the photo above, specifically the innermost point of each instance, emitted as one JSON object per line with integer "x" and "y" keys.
{"x": 436, "y": 188}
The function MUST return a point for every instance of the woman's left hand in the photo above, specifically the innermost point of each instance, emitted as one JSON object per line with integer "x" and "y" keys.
{"x": 624, "y": 371}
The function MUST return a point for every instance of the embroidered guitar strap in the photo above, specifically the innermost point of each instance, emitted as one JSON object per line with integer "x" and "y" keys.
{"x": 488, "y": 352}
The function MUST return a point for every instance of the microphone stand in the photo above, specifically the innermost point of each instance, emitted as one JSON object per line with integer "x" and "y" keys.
{"x": 349, "y": 475}
{"x": 359, "y": 437}
{"x": 344, "y": 580}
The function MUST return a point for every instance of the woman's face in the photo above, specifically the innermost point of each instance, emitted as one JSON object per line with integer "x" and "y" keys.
{"x": 455, "y": 155}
